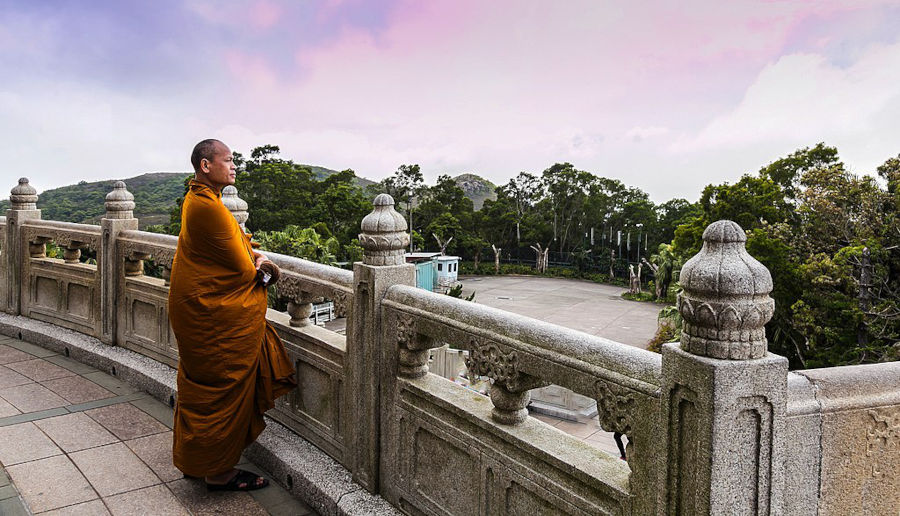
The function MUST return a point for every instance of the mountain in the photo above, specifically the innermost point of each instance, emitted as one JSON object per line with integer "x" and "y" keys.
{"x": 476, "y": 188}
{"x": 322, "y": 172}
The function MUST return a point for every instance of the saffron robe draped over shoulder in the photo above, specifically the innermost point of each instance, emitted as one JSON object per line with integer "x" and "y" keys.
{"x": 231, "y": 364}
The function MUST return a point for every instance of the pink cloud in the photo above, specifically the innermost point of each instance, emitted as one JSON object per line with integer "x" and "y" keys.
{"x": 264, "y": 14}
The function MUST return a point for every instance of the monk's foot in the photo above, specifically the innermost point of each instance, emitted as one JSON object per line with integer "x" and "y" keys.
{"x": 236, "y": 480}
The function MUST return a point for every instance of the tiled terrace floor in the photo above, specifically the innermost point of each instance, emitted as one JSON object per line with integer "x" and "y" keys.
{"x": 74, "y": 440}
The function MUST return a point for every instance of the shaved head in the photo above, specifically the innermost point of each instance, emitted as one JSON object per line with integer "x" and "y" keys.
{"x": 205, "y": 150}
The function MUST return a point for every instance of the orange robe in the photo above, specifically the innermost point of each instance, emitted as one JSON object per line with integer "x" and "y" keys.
{"x": 232, "y": 365}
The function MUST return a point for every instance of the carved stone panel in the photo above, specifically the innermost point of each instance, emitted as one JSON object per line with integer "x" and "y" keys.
{"x": 615, "y": 406}
{"x": 46, "y": 293}
{"x": 445, "y": 473}
{"x": 861, "y": 462}
{"x": 79, "y": 301}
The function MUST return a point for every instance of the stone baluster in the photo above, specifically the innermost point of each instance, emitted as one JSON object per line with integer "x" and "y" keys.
{"x": 236, "y": 205}
{"x": 723, "y": 395}
{"x": 372, "y": 364}
{"x": 510, "y": 388}
{"x": 119, "y": 217}
{"x": 72, "y": 254}
{"x": 414, "y": 348}
{"x": 301, "y": 307}
{"x": 72, "y": 251}
{"x": 23, "y": 207}
{"x": 37, "y": 248}
{"x": 134, "y": 264}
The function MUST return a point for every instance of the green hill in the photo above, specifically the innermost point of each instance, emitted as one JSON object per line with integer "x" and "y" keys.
{"x": 154, "y": 195}
{"x": 476, "y": 188}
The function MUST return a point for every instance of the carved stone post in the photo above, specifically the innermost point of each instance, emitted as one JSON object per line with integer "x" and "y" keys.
{"x": 723, "y": 395}
{"x": 511, "y": 388}
{"x": 370, "y": 363}
{"x": 301, "y": 307}
{"x": 236, "y": 205}
{"x": 119, "y": 217}
{"x": 23, "y": 207}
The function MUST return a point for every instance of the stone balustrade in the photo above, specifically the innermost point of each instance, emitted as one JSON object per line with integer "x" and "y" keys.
{"x": 716, "y": 424}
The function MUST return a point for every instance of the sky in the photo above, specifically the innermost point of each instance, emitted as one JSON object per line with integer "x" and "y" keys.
{"x": 666, "y": 95}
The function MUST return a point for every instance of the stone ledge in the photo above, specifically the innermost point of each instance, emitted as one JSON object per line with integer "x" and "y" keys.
{"x": 317, "y": 479}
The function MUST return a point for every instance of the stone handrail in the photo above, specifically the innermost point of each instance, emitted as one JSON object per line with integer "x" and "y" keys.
{"x": 304, "y": 282}
{"x": 65, "y": 234}
{"x": 519, "y": 353}
{"x": 550, "y": 352}
{"x": 161, "y": 247}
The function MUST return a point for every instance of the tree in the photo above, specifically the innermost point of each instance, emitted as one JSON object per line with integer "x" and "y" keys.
{"x": 405, "y": 185}
{"x": 300, "y": 242}
{"x": 663, "y": 265}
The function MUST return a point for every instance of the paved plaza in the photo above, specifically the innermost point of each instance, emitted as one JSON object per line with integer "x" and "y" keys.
{"x": 582, "y": 305}
{"x": 76, "y": 441}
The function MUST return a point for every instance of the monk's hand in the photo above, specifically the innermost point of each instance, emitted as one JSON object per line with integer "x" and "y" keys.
{"x": 268, "y": 273}
{"x": 258, "y": 259}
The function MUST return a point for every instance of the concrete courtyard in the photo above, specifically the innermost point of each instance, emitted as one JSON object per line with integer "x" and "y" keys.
{"x": 586, "y": 306}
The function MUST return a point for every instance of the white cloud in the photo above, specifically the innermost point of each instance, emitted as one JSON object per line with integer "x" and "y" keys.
{"x": 803, "y": 99}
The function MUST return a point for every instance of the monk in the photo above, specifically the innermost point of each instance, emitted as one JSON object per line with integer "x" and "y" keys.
{"x": 231, "y": 363}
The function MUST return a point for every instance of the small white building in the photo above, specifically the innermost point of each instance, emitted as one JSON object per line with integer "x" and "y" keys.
{"x": 447, "y": 271}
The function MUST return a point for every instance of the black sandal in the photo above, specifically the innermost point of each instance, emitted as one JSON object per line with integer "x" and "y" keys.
{"x": 247, "y": 478}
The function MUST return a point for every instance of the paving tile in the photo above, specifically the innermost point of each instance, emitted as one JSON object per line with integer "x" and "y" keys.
{"x": 76, "y": 389}
{"x": 275, "y": 499}
{"x": 126, "y": 421}
{"x": 13, "y": 507}
{"x": 136, "y": 503}
{"x": 74, "y": 432}
{"x": 4, "y": 478}
{"x": 113, "y": 469}
{"x": 32, "y": 397}
{"x": 24, "y": 442}
{"x": 92, "y": 508}
{"x": 579, "y": 430}
{"x": 195, "y": 497}
{"x": 29, "y": 348}
{"x": 105, "y": 402}
{"x": 156, "y": 451}
{"x": 9, "y": 355}
{"x": 288, "y": 508}
{"x": 51, "y": 483}
{"x": 10, "y": 378}
{"x": 71, "y": 365}
{"x": 160, "y": 411}
{"x": 108, "y": 382}
{"x": 550, "y": 420}
{"x": 7, "y": 410}
{"x": 32, "y": 416}
{"x": 8, "y": 491}
{"x": 39, "y": 369}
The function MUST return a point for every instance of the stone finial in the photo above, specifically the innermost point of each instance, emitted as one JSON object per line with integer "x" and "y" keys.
{"x": 384, "y": 235}
{"x": 119, "y": 202}
{"x": 725, "y": 300}
{"x": 23, "y": 196}
{"x": 236, "y": 205}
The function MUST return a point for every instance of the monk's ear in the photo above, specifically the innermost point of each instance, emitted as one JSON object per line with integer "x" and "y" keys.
{"x": 204, "y": 165}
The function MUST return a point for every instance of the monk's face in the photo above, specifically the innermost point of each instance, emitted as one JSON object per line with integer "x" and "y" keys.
{"x": 219, "y": 171}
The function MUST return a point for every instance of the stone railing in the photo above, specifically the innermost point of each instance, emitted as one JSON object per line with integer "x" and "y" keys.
{"x": 715, "y": 425}
{"x": 430, "y": 417}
